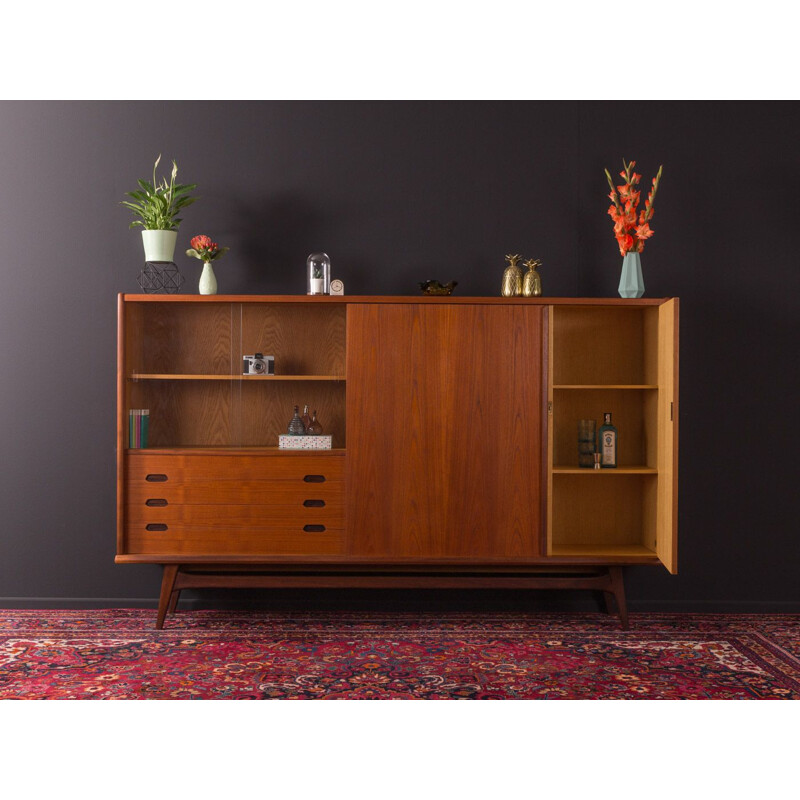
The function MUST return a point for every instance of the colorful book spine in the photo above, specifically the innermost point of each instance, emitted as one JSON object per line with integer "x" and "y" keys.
{"x": 138, "y": 426}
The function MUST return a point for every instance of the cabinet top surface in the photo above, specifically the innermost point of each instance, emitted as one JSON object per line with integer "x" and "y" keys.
{"x": 355, "y": 298}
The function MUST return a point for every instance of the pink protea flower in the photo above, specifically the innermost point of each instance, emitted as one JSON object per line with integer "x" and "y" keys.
{"x": 205, "y": 249}
{"x": 202, "y": 242}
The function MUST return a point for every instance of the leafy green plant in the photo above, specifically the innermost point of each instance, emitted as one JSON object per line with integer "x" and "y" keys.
{"x": 157, "y": 204}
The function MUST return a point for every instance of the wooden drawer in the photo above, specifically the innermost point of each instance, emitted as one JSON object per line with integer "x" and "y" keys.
{"x": 183, "y": 538}
{"x": 208, "y": 492}
{"x": 185, "y": 469}
{"x": 234, "y": 504}
{"x": 236, "y": 515}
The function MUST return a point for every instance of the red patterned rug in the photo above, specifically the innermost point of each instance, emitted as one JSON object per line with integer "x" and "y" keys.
{"x": 117, "y": 654}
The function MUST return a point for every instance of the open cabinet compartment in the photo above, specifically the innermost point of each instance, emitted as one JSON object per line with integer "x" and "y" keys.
{"x": 183, "y": 362}
{"x": 606, "y": 359}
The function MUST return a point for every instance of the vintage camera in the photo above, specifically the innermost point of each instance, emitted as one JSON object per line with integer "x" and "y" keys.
{"x": 258, "y": 364}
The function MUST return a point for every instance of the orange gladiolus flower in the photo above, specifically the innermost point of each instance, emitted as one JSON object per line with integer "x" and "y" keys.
{"x": 625, "y": 243}
{"x": 631, "y": 226}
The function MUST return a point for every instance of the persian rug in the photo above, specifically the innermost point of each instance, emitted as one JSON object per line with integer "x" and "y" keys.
{"x": 117, "y": 654}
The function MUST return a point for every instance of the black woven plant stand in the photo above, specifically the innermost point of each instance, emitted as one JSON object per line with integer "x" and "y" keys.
{"x": 160, "y": 277}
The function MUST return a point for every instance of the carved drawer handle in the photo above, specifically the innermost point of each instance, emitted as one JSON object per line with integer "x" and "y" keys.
{"x": 156, "y": 526}
{"x": 156, "y": 477}
{"x": 314, "y": 479}
{"x": 314, "y": 503}
{"x": 156, "y": 501}
{"x": 314, "y": 528}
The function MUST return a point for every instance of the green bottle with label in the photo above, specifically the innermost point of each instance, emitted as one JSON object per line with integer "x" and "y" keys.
{"x": 607, "y": 439}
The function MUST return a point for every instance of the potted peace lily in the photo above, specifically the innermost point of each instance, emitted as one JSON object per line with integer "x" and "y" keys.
{"x": 157, "y": 206}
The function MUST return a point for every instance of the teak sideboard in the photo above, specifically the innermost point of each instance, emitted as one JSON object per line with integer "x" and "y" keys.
{"x": 454, "y": 460}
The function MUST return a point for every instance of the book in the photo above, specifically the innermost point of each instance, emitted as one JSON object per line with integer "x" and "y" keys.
{"x": 138, "y": 427}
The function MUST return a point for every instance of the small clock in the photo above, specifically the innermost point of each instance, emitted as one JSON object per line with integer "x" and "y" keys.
{"x": 337, "y": 287}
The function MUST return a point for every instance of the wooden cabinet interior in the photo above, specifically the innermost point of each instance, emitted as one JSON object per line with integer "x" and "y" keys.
{"x": 184, "y": 363}
{"x": 622, "y": 360}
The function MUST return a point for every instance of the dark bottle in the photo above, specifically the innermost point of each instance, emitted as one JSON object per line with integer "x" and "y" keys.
{"x": 314, "y": 428}
{"x": 607, "y": 438}
{"x": 296, "y": 427}
{"x": 306, "y": 419}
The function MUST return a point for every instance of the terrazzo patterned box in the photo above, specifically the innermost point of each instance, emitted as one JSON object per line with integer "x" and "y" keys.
{"x": 320, "y": 442}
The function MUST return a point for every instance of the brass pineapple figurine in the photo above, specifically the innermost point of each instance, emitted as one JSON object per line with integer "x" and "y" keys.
{"x": 512, "y": 277}
{"x": 532, "y": 282}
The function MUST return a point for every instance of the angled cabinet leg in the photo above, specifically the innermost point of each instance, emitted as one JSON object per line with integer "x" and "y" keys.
{"x": 618, "y": 590}
{"x": 173, "y": 601}
{"x": 167, "y": 589}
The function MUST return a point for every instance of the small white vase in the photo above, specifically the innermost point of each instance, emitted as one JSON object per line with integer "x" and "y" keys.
{"x": 159, "y": 245}
{"x": 208, "y": 281}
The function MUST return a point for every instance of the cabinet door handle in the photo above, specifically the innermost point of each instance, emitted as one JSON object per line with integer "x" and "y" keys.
{"x": 314, "y": 528}
{"x": 314, "y": 479}
{"x": 156, "y": 526}
{"x": 156, "y": 477}
{"x": 314, "y": 503}
{"x": 156, "y": 501}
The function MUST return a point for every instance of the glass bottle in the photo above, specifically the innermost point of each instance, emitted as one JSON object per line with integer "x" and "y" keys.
{"x": 607, "y": 437}
{"x": 314, "y": 429}
{"x": 587, "y": 440}
{"x": 319, "y": 273}
{"x": 296, "y": 427}
{"x": 306, "y": 418}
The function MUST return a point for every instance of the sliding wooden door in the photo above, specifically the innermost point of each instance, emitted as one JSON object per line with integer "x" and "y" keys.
{"x": 444, "y": 410}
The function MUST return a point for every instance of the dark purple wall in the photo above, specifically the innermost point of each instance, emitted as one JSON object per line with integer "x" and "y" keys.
{"x": 397, "y": 192}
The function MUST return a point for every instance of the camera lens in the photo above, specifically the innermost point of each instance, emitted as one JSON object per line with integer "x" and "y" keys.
{"x": 259, "y": 366}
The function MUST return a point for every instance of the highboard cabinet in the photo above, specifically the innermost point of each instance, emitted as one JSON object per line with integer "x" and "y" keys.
{"x": 454, "y": 455}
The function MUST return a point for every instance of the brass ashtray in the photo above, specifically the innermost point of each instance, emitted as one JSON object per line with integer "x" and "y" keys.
{"x": 436, "y": 288}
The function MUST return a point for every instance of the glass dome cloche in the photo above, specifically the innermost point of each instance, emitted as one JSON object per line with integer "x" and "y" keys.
{"x": 319, "y": 273}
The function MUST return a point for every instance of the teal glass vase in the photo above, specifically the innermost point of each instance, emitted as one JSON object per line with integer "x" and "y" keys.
{"x": 631, "y": 283}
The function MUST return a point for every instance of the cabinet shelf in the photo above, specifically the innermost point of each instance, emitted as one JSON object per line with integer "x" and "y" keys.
{"x": 226, "y": 449}
{"x": 605, "y": 386}
{"x": 190, "y": 377}
{"x": 631, "y": 470}
{"x": 589, "y": 550}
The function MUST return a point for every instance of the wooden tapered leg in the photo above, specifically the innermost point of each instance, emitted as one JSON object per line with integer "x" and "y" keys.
{"x": 618, "y": 590}
{"x": 167, "y": 584}
{"x": 173, "y": 601}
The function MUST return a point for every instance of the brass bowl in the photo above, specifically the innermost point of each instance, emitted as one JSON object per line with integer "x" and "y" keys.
{"x": 436, "y": 288}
